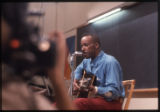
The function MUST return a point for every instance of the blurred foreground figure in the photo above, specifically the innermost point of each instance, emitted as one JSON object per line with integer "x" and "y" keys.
{"x": 20, "y": 61}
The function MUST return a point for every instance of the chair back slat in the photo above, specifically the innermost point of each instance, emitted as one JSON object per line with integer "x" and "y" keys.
{"x": 129, "y": 87}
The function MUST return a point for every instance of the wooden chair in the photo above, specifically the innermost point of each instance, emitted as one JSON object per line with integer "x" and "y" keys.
{"x": 129, "y": 87}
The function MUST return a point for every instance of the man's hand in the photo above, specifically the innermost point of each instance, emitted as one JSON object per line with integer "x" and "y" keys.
{"x": 93, "y": 89}
{"x": 76, "y": 87}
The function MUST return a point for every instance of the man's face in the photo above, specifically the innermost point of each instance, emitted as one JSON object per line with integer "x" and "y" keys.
{"x": 88, "y": 47}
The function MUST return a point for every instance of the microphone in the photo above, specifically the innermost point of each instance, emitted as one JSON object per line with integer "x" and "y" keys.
{"x": 77, "y": 53}
{"x": 72, "y": 63}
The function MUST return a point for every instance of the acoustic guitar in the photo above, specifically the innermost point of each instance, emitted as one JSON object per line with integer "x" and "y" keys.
{"x": 86, "y": 81}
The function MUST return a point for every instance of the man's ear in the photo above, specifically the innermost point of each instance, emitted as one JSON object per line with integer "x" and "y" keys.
{"x": 97, "y": 45}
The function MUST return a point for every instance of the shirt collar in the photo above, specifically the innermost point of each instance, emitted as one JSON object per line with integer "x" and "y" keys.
{"x": 97, "y": 58}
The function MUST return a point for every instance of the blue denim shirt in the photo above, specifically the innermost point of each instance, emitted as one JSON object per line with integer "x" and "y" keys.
{"x": 108, "y": 72}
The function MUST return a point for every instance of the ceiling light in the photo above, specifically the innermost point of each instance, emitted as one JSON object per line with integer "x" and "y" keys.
{"x": 104, "y": 15}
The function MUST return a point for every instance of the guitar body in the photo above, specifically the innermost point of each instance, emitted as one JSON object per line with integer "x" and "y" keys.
{"x": 86, "y": 81}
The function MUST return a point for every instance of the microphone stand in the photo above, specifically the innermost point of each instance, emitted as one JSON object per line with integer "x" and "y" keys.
{"x": 72, "y": 65}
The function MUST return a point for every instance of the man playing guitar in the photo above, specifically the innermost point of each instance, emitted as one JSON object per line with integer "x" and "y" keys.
{"x": 108, "y": 88}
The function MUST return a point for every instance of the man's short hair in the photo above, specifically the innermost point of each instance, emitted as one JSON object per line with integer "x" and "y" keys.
{"x": 95, "y": 38}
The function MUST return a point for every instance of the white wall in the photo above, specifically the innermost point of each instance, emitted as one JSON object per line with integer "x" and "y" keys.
{"x": 69, "y": 14}
{"x": 143, "y": 104}
{"x": 72, "y": 15}
{"x": 46, "y": 22}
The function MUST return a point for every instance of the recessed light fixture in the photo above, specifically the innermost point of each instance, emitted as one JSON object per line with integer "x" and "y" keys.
{"x": 104, "y": 15}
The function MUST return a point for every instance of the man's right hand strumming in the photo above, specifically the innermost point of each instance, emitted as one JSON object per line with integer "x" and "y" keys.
{"x": 76, "y": 87}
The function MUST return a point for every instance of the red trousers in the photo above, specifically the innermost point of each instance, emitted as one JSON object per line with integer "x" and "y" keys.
{"x": 97, "y": 104}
